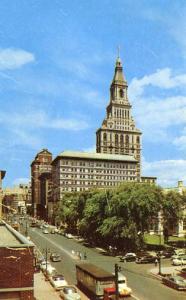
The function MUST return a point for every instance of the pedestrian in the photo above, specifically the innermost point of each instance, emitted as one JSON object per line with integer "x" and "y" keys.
{"x": 156, "y": 262}
{"x": 73, "y": 252}
{"x": 85, "y": 256}
{"x": 80, "y": 256}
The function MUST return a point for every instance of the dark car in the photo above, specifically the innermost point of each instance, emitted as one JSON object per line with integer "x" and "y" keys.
{"x": 55, "y": 257}
{"x": 167, "y": 253}
{"x": 128, "y": 257}
{"x": 174, "y": 281}
{"x": 183, "y": 272}
{"x": 146, "y": 259}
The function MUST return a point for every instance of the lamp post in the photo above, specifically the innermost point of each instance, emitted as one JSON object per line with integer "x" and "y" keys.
{"x": 159, "y": 255}
{"x": 26, "y": 228}
{"x": 116, "y": 281}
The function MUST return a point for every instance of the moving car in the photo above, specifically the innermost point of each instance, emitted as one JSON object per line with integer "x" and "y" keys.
{"x": 58, "y": 281}
{"x": 123, "y": 289}
{"x": 45, "y": 231}
{"x": 174, "y": 281}
{"x": 146, "y": 259}
{"x": 69, "y": 293}
{"x": 128, "y": 257}
{"x": 55, "y": 257}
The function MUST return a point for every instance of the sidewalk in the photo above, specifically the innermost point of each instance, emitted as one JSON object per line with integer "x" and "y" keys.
{"x": 43, "y": 289}
{"x": 165, "y": 270}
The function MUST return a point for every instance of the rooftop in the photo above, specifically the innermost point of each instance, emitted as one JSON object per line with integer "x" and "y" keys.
{"x": 96, "y": 156}
{"x": 11, "y": 237}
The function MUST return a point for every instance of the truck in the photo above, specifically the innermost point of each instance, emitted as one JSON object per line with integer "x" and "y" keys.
{"x": 93, "y": 280}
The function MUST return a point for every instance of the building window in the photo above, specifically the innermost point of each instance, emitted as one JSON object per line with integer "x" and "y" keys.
{"x": 121, "y": 93}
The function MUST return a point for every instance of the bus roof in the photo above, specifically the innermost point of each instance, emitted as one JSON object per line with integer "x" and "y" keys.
{"x": 95, "y": 271}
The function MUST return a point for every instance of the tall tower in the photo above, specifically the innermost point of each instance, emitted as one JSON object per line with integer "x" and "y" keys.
{"x": 118, "y": 133}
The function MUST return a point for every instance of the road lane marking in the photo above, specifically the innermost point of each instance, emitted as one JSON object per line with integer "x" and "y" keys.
{"x": 136, "y": 298}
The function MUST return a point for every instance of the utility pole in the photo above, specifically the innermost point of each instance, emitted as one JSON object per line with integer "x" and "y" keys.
{"x": 116, "y": 281}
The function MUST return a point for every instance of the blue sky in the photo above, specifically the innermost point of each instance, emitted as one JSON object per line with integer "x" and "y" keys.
{"x": 57, "y": 61}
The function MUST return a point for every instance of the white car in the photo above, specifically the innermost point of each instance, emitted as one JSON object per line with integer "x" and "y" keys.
{"x": 179, "y": 261}
{"x": 124, "y": 289}
{"x": 58, "y": 281}
{"x": 69, "y": 293}
{"x": 47, "y": 267}
{"x": 177, "y": 256}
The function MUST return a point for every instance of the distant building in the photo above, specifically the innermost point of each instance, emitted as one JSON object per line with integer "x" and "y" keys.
{"x": 148, "y": 179}
{"x": 16, "y": 265}
{"x": 46, "y": 196}
{"x": 41, "y": 164}
{"x": 16, "y": 197}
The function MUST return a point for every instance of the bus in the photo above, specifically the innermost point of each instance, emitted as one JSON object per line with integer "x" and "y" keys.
{"x": 93, "y": 280}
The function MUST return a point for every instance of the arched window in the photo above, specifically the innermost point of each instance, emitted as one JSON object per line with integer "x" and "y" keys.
{"x": 121, "y": 93}
{"x": 121, "y": 139}
{"x": 104, "y": 137}
{"x": 116, "y": 138}
{"x": 127, "y": 139}
{"x": 138, "y": 140}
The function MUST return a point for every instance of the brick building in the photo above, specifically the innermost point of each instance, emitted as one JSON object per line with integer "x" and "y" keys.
{"x": 41, "y": 164}
{"x": 16, "y": 265}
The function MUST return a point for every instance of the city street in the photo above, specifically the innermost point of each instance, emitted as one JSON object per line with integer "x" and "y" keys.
{"x": 143, "y": 285}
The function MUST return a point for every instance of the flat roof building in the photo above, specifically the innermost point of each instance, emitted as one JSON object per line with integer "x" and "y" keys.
{"x": 16, "y": 265}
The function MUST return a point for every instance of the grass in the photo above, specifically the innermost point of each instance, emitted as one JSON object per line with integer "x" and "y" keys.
{"x": 157, "y": 240}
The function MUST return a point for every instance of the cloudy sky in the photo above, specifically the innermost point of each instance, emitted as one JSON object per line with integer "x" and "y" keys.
{"x": 56, "y": 64}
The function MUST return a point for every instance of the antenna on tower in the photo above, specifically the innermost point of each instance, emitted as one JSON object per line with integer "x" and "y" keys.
{"x": 118, "y": 49}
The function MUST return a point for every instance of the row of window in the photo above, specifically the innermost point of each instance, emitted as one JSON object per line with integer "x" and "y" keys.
{"x": 97, "y": 164}
{"x": 95, "y": 171}
{"x": 90, "y": 184}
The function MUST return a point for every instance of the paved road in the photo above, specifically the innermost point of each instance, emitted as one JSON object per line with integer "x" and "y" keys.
{"x": 144, "y": 286}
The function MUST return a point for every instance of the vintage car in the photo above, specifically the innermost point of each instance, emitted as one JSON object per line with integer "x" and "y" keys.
{"x": 175, "y": 281}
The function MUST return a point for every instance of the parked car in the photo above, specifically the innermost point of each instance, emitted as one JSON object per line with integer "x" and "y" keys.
{"x": 45, "y": 231}
{"x": 47, "y": 266}
{"x": 174, "y": 281}
{"x": 55, "y": 257}
{"x": 50, "y": 270}
{"x": 183, "y": 272}
{"x": 58, "y": 281}
{"x": 179, "y": 255}
{"x": 179, "y": 261}
{"x": 146, "y": 259}
{"x": 128, "y": 257}
{"x": 69, "y": 293}
{"x": 168, "y": 253}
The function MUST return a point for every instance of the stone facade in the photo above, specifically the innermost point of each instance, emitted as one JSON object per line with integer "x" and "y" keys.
{"x": 41, "y": 164}
{"x": 118, "y": 133}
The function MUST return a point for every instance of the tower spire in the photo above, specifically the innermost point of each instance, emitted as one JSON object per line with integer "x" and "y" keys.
{"x": 118, "y": 49}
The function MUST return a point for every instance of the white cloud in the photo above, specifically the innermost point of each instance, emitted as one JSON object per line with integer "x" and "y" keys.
{"x": 180, "y": 142}
{"x": 168, "y": 172}
{"x": 39, "y": 119}
{"x": 14, "y": 58}
{"x": 90, "y": 149}
{"x": 158, "y": 114}
{"x": 161, "y": 78}
{"x": 21, "y": 180}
